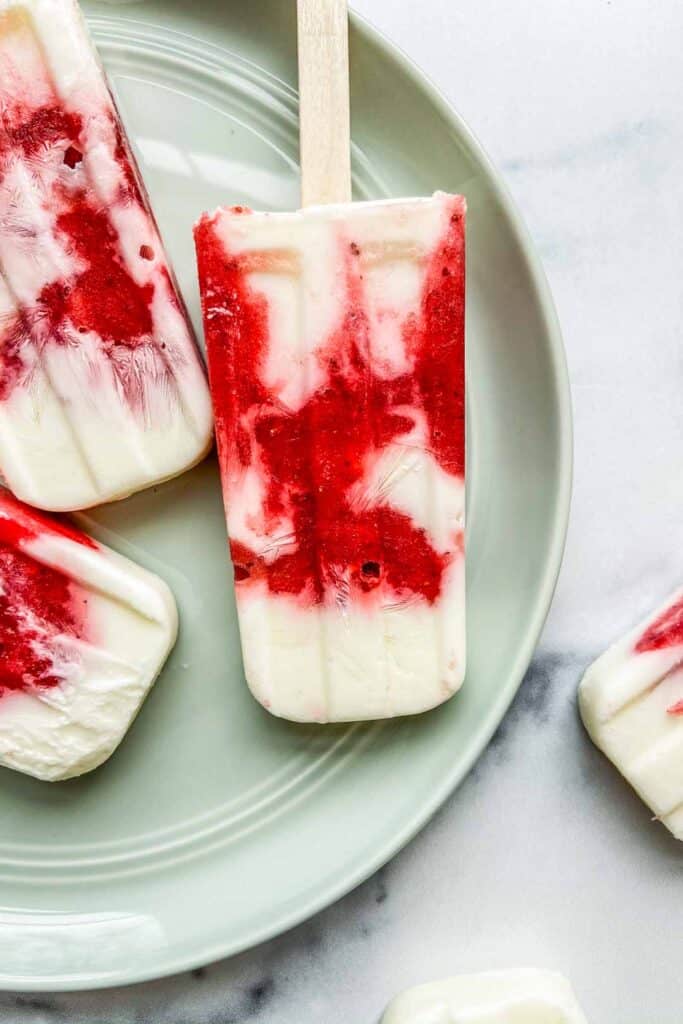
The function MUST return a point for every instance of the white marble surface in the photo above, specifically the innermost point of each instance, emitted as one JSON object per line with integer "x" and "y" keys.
{"x": 580, "y": 105}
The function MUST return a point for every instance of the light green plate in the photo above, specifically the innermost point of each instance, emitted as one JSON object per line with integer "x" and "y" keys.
{"x": 215, "y": 825}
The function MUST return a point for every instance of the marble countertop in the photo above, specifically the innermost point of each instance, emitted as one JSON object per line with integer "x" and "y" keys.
{"x": 579, "y": 105}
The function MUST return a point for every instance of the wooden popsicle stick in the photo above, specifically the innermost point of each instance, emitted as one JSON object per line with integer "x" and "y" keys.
{"x": 324, "y": 120}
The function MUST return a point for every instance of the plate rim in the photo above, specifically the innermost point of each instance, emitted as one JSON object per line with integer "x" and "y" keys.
{"x": 331, "y": 892}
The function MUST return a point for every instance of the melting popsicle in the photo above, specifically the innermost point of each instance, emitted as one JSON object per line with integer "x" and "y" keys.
{"x": 84, "y": 633}
{"x": 335, "y": 341}
{"x": 631, "y": 702}
{"x": 102, "y": 391}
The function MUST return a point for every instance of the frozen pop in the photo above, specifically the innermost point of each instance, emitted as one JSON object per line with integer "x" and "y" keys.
{"x": 84, "y": 633}
{"x": 335, "y": 341}
{"x": 102, "y": 391}
{"x": 631, "y": 702}
{"x": 494, "y": 997}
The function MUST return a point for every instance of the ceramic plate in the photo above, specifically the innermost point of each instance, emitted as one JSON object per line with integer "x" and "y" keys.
{"x": 216, "y": 826}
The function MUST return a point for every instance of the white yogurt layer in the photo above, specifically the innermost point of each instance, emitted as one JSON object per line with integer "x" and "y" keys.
{"x": 496, "y": 997}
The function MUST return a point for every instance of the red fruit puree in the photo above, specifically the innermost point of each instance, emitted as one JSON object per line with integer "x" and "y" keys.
{"x": 311, "y": 458}
{"x": 666, "y": 631}
{"x": 101, "y": 296}
{"x": 37, "y": 603}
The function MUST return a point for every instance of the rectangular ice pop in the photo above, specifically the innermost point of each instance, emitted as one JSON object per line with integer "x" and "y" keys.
{"x": 494, "y": 997}
{"x": 102, "y": 391}
{"x": 631, "y": 702}
{"x": 335, "y": 346}
{"x": 84, "y": 633}
{"x": 335, "y": 339}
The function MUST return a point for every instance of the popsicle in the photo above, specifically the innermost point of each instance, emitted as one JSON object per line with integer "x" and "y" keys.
{"x": 84, "y": 632}
{"x": 524, "y": 996}
{"x": 102, "y": 391}
{"x": 335, "y": 340}
{"x": 631, "y": 702}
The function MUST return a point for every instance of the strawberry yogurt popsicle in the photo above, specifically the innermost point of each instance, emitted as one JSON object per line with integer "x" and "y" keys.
{"x": 336, "y": 349}
{"x": 631, "y": 702}
{"x": 84, "y": 633}
{"x": 335, "y": 341}
{"x": 522, "y": 996}
{"x": 102, "y": 391}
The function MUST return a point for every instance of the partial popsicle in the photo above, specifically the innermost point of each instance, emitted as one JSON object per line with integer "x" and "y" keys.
{"x": 102, "y": 391}
{"x": 335, "y": 341}
{"x": 495, "y": 997}
{"x": 84, "y": 633}
{"x": 631, "y": 702}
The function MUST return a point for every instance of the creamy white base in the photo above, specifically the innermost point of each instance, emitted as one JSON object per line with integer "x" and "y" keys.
{"x": 496, "y": 997}
{"x": 68, "y": 440}
{"x": 66, "y": 730}
{"x": 327, "y": 664}
{"x": 624, "y": 699}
